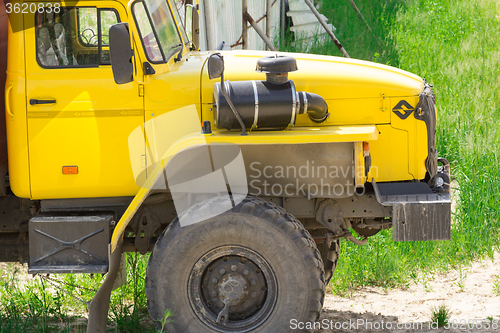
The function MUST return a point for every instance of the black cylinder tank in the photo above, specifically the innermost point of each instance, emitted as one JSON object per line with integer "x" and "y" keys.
{"x": 261, "y": 104}
{"x": 270, "y": 104}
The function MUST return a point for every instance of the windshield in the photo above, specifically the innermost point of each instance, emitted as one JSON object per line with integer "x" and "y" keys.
{"x": 178, "y": 5}
{"x": 157, "y": 29}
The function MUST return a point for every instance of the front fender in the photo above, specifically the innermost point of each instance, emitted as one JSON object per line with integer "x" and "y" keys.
{"x": 295, "y": 136}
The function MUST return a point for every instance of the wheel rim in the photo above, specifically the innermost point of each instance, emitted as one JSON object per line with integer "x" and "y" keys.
{"x": 232, "y": 288}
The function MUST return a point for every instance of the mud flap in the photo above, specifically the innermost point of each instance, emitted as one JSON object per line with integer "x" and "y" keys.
{"x": 418, "y": 214}
{"x": 421, "y": 221}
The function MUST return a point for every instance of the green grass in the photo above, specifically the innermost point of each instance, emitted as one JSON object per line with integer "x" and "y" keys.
{"x": 496, "y": 285}
{"x": 359, "y": 42}
{"x": 440, "y": 315}
{"x": 56, "y": 303}
{"x": 455, "y": 45}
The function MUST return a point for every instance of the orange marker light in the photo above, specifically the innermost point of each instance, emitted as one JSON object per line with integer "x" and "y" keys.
{"x": 70, "y": 170}
{"x": 366, "y": 149}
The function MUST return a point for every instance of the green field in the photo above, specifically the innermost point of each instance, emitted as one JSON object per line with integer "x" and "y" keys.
{"x": 57, "y": 303}
{"x": 455, "y": 45}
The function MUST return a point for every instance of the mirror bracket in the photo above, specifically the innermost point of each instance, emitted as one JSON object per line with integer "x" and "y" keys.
{"x": 148, "y": 69}
{"x": 216, "y": 70}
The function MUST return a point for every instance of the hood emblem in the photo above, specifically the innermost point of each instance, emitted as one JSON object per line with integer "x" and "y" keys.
{"x": 403, "y": 109}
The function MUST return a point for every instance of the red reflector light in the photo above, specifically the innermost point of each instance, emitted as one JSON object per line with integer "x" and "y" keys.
{"x": 70, "y": 170}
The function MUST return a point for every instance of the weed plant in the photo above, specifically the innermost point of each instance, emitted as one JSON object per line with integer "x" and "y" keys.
{"x": 440, "y": 315}
{"x": 496, "y": 285}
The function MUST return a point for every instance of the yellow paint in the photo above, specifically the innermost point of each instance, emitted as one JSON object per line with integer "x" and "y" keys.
{"x": 17, "y": 136}
{"x": 87, "y": 126}
{"x": 389, "y": 164}
{"x": 359, "y": 165}
{"x": 417, "y": 137}
{"x": 294, "y": 136}
{"x": 7, "y": 100}
{"x": 92, "y": 121}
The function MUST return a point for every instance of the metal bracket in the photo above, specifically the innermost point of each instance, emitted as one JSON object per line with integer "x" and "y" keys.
{"x": 329, "y": 214}
{"x": 69, "y": 244}
{"x": 389, "y": 194}
{"x": 76, "y": 244}
{"x": 418, "y": 214}
{"x": 144, "y": 227}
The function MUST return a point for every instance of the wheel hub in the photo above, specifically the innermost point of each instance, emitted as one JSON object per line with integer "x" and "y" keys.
{"x": 236, "y": 281}
{"x": 234, "y": 287}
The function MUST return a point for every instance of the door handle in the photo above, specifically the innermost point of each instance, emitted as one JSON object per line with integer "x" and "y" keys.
{"x": 7, "y": 100}
{"x": 42, "y": 101}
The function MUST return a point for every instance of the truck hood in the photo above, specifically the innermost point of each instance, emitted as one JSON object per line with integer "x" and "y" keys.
{"x": 333, "y": 78}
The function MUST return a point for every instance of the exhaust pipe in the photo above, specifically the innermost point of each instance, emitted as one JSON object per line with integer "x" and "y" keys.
{"x": 314, "y": 105}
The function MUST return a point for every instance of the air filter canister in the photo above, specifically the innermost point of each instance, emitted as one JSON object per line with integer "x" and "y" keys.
{"x": 261, "y": 104}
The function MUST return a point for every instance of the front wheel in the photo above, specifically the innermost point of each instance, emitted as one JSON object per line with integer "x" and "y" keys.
{"x": 252, "y": 269}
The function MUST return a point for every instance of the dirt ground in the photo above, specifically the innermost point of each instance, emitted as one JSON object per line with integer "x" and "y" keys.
{"x": 370, "y": 306}
{"x": 378, "y": 310}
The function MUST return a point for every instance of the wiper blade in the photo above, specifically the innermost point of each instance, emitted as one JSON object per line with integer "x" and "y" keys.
{"x": 175, "y": 46}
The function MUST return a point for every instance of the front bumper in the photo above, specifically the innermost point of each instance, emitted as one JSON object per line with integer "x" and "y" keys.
{"x": 418, "y": 213}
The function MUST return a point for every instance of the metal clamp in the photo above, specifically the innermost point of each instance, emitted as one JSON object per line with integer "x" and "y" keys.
{"x": 294, "y": 105}
{"x": 256, "y": 95}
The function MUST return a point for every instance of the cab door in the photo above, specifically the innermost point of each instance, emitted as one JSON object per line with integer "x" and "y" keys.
{"x": 172, "y": 88}
{"x": 79, "y": 119}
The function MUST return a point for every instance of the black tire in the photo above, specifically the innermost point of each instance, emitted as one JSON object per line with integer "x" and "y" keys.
{"x": 329, "y": 265}
{"x": 263, "y": 230}
{"x": 328, "y": 251}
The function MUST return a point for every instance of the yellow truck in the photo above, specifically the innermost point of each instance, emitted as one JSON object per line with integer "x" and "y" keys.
{"x": 240, "y": 171}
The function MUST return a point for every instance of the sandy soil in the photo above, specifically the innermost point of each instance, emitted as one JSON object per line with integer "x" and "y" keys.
{"x": 388, "y": 308}
{"x": 475, "y": 300}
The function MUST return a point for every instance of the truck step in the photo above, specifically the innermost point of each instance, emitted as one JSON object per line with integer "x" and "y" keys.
{"x": 418, "y": 214}
{"x": 69, "y": 244}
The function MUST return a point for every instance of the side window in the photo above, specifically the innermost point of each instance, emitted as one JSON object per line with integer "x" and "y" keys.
{"x": 74, "y": 37}
{"x": 148, "y": 36}
{"x": 87, "y": 26}
{"x": 108, "y": 18}
{"x": 157, "y": 29}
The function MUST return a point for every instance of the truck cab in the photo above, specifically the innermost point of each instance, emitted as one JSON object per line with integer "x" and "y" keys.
{"x": 75, "y": 116}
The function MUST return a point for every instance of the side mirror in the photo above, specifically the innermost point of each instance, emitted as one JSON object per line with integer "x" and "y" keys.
{"x": 215, "y": 66}
{"x": 121, "y": 53}
{"x": 193, "y": 25}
